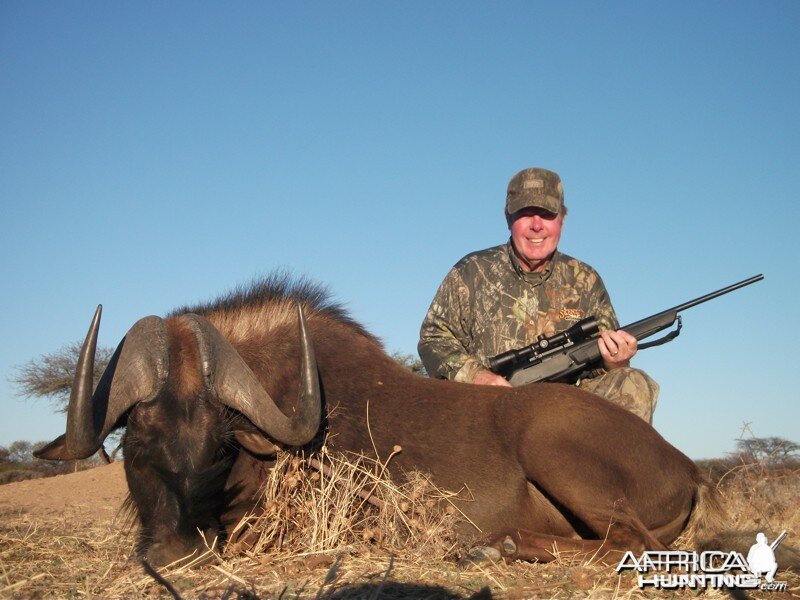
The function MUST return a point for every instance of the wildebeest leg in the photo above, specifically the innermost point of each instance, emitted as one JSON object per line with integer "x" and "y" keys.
{"x": 609, "y": 493}
{"x": 618, "y": 530}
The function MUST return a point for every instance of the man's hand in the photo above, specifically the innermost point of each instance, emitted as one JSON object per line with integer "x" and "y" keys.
{"x": 489, "y": 378}
{"x": 617, "y": 348}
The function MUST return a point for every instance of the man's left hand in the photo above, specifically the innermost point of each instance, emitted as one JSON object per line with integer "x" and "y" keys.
{"x": 617, "y": 348}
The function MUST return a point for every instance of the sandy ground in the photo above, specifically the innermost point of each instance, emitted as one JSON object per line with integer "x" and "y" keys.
{"x": 93, "y": 494}
{"x": 65, "y": 536}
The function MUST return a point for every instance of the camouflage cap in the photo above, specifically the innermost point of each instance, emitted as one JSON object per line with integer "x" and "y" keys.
{"x": 534, "y": 187}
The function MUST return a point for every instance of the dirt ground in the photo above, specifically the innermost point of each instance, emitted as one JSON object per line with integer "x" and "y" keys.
{"x": 65, "y": 536}
{"x": 91, "y": 495}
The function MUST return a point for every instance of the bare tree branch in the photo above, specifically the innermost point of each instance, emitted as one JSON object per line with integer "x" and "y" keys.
{"x": 767, "y": 450}
{"x": 50, "y": 376}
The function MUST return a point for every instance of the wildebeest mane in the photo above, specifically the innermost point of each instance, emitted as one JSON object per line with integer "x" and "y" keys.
{"x": 272, "y": 300}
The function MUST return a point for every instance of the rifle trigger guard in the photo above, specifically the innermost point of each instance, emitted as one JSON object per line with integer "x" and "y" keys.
{"x": 667, "y": 338}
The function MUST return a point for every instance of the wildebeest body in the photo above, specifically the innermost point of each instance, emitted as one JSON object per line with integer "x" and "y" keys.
{"x": 532, "y": 465}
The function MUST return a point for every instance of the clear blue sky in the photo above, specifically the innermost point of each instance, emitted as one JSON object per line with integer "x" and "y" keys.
{"x": 155, "y": 154}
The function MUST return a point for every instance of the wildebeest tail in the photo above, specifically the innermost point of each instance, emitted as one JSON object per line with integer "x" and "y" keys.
{"x": 708, "y": 515}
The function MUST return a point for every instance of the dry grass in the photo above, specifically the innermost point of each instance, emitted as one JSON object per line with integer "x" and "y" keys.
{"x": 342, "y": 503}
{"x": 320, "y": 538}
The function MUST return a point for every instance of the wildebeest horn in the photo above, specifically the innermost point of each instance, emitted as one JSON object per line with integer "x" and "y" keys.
{"x": 136, "y": 373}
{"x": 235, "y": 385}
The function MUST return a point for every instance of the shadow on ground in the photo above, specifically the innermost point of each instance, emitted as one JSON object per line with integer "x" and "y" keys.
{"x": 372, "y": 591}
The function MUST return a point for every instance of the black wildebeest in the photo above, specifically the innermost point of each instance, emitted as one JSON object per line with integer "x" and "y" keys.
{"x": 208, "y": 392}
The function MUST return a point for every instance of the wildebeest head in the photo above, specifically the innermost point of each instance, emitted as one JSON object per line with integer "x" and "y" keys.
{"x": 184, "y": 392}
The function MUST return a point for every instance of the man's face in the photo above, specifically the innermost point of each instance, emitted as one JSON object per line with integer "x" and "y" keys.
{"x": 535, "y": 233}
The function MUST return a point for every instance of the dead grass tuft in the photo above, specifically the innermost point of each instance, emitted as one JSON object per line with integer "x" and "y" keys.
{"x": 335, "y": 502}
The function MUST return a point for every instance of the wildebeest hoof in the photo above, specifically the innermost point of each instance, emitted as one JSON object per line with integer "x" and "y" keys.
{"x": 480, "y": 555}
{"x": 509, "y": 547}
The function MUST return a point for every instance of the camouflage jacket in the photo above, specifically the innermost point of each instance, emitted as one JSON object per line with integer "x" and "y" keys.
{"x": 487, "y": 305}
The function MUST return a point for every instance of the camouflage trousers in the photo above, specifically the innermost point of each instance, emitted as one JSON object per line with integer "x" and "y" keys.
{"x": 629, "y": 388}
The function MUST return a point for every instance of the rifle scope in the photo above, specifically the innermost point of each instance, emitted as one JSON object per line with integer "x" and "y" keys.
{"x": 577, "y": 333}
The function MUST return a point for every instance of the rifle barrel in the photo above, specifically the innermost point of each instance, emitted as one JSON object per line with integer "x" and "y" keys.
{"x": 716, "y": 294}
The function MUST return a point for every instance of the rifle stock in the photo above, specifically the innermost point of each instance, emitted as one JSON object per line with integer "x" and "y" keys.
{"x": 566, "y": 360}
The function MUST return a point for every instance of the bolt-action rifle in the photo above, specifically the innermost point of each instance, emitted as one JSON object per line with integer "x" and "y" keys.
{"x": 563, "y": 356}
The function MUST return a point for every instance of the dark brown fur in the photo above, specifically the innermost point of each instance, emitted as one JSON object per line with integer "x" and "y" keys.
{"x": 536, "y": 465}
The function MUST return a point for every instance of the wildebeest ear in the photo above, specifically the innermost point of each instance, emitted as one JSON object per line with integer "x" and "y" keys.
{"x": 55, "y": 450}
{"x": 256, "y": 443}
